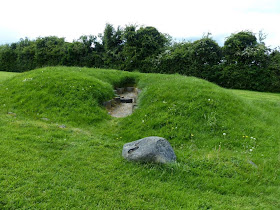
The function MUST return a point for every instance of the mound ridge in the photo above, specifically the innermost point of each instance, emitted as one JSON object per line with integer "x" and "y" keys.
{"x": 175, "y": 107}
{"x": 58, "y": 94}
{"x": 181, "y": 107}
{"x": 63, "y": 94}
{"x": 171, "y": 105}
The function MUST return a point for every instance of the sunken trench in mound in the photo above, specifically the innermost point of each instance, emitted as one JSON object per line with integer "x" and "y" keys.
{"x": 124, "y": 102}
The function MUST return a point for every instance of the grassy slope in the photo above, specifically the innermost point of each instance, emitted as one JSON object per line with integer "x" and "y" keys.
{"x": 45, "y": 166}
{"x": 6, "y": 75}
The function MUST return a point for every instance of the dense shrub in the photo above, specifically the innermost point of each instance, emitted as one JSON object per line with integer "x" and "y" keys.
{"x": 8, "y": 58}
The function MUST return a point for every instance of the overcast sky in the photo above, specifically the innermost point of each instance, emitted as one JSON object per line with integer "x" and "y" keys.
{"x": 188, "y": 19}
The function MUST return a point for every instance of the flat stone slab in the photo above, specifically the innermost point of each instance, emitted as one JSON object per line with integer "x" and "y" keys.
{"x": 123, "y": 105}
{"x": 120, "y": 90}
{"x": 126, "y": 100}
{"x": 117, "y": 100}
{"x": 150, "y": 149}
{"x": 129, "y": 89}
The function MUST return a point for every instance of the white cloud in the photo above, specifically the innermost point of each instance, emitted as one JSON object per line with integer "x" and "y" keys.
{"x": 179, "y": 18}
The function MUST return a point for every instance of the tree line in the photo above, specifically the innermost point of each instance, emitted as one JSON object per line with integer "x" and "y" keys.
{"x": 244, "y": 62}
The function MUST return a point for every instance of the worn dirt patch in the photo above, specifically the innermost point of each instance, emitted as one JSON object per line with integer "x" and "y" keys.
{"x": 124, "y": 109}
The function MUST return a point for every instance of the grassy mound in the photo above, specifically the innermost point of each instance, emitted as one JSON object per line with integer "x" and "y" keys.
{"x": 184, "y": 109}
{"x": 226, "y": 142}
{"x": 60, "y": 94}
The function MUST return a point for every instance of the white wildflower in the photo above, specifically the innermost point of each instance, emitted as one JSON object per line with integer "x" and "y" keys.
{"x": 27, "y": 79}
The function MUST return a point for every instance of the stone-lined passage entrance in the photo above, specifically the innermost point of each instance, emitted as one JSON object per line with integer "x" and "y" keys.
{"x": 124, "y": 102}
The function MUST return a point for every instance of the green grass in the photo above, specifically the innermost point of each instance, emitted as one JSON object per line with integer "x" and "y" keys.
{"x": 6, "y": 75}
{"x": 258, "y": 96}
{"x": 226, "y": 142}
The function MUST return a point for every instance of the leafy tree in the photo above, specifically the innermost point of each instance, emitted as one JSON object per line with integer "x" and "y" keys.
{"x": 113, "y": 45}
{"x": 130, "y": 48}
{"x": 25, "y": 55}
{"x": 141, "y": 45}
{"x": 246, "y": 63}
{"x": 74, "y": 54}
{"x": 175, "y": 59}
{"x": 86, "y": 51}
{"x": 49, "y": 51}
{"x": 274, "y": 68}
{"x": 150, "y": 41}
{"x": 89, "y": 56}
{"x": 8, "y": 58}
{"x": 206, "y": 55}
{"x": 200, "y": 58}
{"x": 236, "y": 45}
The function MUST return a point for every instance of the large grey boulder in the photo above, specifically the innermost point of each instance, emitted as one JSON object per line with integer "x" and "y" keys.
{"x": 149, "y": 149}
